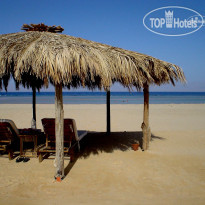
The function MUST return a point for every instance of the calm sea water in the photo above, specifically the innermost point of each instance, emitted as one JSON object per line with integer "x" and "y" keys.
{"x": 100, "y": 97}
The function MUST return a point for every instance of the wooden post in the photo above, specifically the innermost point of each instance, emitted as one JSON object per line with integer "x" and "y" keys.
{"x": 59, "y": 132}
{"x": 33, "y": 123}
{"x": 108, "y": 112}
{"x": 145, "y": 125}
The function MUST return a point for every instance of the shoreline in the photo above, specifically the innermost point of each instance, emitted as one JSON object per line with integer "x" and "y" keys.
{"x": 100, "y": 98}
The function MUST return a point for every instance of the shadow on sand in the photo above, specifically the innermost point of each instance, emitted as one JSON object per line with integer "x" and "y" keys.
{"x": 97, "y": 142}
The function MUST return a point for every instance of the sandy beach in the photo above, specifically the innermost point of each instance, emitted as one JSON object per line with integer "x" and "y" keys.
{"x": 172, "y": 171}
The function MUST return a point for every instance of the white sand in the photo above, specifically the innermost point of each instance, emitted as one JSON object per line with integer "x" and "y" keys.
{"x": 172, "y": 171}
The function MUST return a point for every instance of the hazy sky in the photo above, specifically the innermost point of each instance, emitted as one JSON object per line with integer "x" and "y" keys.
{"x": 118, "y": 23}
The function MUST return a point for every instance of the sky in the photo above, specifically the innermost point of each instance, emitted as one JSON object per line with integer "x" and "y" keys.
{"x": 118, "y": 23}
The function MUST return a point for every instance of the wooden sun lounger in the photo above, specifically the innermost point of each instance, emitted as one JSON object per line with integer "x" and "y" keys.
{"x": 12, "y": 139}
{"x": 72, "y": 137}
{"x": 9, "y": 137}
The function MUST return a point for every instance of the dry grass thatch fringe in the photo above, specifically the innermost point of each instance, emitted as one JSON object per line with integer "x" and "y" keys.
{"x": 74, "y": 62}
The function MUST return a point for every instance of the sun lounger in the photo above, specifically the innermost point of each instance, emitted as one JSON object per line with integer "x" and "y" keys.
{"x": 72, "y": 137}
{"x": 9, "y": 137}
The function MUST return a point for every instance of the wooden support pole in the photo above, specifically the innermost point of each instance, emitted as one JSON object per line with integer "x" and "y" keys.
{"x": 108, "y": 112}
{"x": 59, "y": 132}
{"x": 33, "y": 123}
{"x": 145, "y": 125}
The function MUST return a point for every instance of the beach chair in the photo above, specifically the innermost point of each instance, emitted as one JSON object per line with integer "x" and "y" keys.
{"x": 9, "y": 137}
{"x": 72, "y": 137}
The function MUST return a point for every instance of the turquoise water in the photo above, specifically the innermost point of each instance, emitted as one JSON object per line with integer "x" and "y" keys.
{"x": 100, "y": 98}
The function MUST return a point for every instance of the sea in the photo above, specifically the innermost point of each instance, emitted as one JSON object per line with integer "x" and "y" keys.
{"x": 100, "y": 97}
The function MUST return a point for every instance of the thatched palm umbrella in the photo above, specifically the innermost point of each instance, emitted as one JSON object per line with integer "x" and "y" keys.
{"x": 67, "y": 61}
